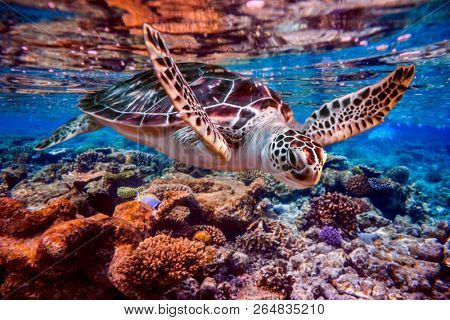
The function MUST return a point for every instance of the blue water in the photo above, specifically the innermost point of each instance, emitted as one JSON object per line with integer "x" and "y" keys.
{"x": 34, "y": 101}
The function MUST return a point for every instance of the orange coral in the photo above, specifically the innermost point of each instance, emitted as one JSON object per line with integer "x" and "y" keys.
{"x": 159, "y": 261}
{"x": 209, "y": 235}
{"x": 79, "y": 248}
{"x": 139, "y": 214}
{"x": 15, "y": 220}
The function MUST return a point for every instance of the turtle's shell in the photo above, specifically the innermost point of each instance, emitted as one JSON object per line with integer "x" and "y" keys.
{"x": 230, "y": 99}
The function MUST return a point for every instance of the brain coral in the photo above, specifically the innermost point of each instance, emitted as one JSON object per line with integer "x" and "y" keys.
{"x": 398, "y": 174}
{"x": 158, "y": 262}
{"x": 336, "y": 209}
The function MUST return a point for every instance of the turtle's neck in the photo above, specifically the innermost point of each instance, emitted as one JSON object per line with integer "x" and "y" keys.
{"x": 255, "y": 150}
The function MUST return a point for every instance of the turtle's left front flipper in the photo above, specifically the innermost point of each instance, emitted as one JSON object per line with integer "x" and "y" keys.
{"x": 359, "y": 111}
{"x": 82, "y": 124}
{"x": 182, "y": 96}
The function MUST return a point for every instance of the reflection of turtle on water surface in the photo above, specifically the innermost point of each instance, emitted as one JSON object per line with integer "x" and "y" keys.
{"x": 207, "y": 116}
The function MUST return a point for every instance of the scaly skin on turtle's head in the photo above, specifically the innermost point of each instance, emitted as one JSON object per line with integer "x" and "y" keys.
{"x": 296, "y": 159}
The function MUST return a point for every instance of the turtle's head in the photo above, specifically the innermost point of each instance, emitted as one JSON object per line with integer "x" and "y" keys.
{"x": 296, "y": 159}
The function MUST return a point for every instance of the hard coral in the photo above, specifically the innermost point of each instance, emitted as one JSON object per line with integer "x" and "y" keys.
{"x": 157, "y": 262}
{"x": 357, "y": 185}
{"x": 275, "y": 279}
{"x": 59, "y": 249}
{"x": 212, "y": 233}
{"x": 128, "y": 193}
{"x": 385, "y": 185}
{"x": 398, "y": 174}
{"x": 86, "y": 161}
{"x": 247, "y": 177}
{"x": 219, "y": 200}
{"x": 139, "y": 214}
{"x": 337, "y": 210}
{"x": 369, "y": 172}
{"x": 264, "y": 236}
{"x": 15, "y": 220}
{"x": 386, "y": 194}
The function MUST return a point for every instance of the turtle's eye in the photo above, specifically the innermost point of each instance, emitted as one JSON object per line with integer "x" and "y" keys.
{"x": 292, "y": 158}
{"x": 297, "y": 159}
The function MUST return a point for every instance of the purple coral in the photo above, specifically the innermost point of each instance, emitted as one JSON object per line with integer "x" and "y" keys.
{"x": 331, "y": 236}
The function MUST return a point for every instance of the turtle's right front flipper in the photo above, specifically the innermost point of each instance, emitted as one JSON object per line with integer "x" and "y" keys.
{"x": 359, "y": 111}
{"x": 182, "y": 96}
{"x": 79, "y": 125}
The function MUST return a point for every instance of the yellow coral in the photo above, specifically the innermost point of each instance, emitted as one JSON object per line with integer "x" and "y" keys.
{"x": 202, "y": 236}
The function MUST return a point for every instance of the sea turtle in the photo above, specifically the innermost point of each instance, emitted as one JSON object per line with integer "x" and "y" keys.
{"x": 206, "y": 116}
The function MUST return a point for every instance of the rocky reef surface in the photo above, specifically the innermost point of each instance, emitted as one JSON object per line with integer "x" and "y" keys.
{"x": 108, "y": 223}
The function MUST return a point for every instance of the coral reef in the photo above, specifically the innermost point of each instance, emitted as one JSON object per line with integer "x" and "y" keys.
{"x": 247, "y": 177}
{"x": 112, "y": 224}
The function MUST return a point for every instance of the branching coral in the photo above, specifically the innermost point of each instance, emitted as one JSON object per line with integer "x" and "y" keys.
{"x": 86, "y": 161}
{"x": 331, "y": 236}
{"x": 264, "y": 236}
{"x": 335, "y": 209}
{"x": 357, "y": 185}
{"x": 157, "y": 262}
{"x": 385, "y": 185}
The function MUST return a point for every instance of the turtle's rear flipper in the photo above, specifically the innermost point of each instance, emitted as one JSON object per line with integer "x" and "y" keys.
{"x": 79, "y": 125}
{"x": 182, "y": 96}
{"x": 359, "y": 111}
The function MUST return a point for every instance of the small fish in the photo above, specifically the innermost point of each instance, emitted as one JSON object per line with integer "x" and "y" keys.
{"x": 149, "y": 199}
